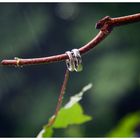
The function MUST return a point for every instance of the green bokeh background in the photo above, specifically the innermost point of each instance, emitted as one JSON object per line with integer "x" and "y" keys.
{"x": 28, "y": 95}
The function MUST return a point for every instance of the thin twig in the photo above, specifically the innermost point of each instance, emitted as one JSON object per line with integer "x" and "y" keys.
{"x": 105, "y": 25}
{"x": 60, "y": 99}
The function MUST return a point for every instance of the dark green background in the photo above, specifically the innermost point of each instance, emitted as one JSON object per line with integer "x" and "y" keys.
{"x": 28, "y": 95}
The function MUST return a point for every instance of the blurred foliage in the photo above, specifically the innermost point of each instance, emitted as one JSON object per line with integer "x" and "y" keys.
{"x": 126, "y": 126}
{"x": 70, "y": 114}
{"x": 28, "y": 95}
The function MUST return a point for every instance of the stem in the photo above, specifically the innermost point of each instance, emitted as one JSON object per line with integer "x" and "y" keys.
{"x": 60, "y": 99}
{"x": 105, "y": 25}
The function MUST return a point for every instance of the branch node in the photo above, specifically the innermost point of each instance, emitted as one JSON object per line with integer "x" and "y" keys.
{"x": 102, "y": 22}
{"x": 104, "y": 25}
{"x": 17, "y": 62}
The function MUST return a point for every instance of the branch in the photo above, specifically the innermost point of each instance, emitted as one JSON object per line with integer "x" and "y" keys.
{"x": 105, "y": 25}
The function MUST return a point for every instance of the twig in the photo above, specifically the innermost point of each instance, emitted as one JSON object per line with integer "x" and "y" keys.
{"x": 60, "y": 99}
{"x": 105, "y": 25}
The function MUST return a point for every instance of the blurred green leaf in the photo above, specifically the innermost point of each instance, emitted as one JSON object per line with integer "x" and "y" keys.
{"x": 126, "y": 126}
{"x": 115, "y": 75}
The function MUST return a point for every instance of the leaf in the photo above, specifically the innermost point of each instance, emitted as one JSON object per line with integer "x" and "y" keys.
{"x": 70, "y": 116}
{"x": 126, "y": 126}
{"x": 77, "y": 97}
{"x": 46, "y": 132}
{"x": 72, "y": 113}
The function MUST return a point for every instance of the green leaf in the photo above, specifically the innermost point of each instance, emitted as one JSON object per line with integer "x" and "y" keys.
{"x": 45, "y": 132}
{"x": 72, "y": 113}
{"x": 77, "y": 97}
{"x": 70, "y": 116}
{"x": 48, "y": 132}
{"x": 126, "y": 126}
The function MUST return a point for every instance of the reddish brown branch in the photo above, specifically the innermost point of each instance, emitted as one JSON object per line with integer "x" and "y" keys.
{"x": 105, "y": 25}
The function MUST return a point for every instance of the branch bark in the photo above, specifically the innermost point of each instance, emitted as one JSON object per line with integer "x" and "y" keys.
{"x": 105, "y": 25}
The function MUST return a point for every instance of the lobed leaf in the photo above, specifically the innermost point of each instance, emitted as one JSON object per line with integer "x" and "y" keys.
{"x": 70, "y": 116}
{"x": 72, "y": 113}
